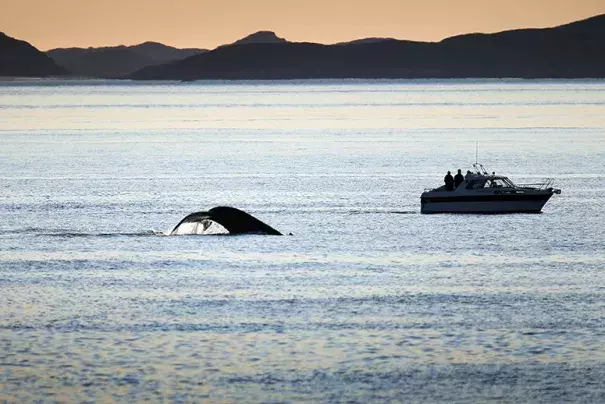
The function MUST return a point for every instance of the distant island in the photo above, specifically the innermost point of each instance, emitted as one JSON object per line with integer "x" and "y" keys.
{"x": 572, "y": 50}
{"x": 117, "y": 61}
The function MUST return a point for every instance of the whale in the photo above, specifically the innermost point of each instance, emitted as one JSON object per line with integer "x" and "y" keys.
{"x": 234, "y": 220}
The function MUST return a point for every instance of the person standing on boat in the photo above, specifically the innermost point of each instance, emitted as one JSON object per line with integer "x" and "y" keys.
{"x": 459, "y": 178}
{"x": 449, "y": 181}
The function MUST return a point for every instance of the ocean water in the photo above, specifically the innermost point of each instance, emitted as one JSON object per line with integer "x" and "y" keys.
{"x": 367, "y": 300}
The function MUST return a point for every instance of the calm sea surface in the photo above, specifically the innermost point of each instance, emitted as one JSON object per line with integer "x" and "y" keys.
{"x": 367, "y": 300}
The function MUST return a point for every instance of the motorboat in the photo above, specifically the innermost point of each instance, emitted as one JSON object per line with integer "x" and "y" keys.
{"x": 482, "y": 192}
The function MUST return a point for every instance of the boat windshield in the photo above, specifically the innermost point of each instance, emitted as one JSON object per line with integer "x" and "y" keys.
{"x": 500, "y": 182}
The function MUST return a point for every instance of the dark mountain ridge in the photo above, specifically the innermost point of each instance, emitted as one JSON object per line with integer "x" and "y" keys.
{"x": 260, "y": 37}
{"x": 568, "y": 51}
{"x": 19, "y": 58}
{"x": 117, "y": 61}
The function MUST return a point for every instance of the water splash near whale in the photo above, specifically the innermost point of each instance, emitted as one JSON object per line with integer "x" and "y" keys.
{"x": 203, "y": 227}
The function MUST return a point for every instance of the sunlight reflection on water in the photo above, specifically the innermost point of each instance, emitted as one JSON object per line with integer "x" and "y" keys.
{"x": 369, "y": 300}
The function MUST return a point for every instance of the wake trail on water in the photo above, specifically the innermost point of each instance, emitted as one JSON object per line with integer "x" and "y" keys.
{"x": 39, "y": 232}
{"x": 36, "y": 232}
{"x": 384, "y": 212}
{"x": 197, "y": 228}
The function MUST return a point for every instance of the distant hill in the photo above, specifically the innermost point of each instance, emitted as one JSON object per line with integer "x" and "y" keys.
{"x": 117, "y": 61}
{"x": 19, "y": 58}
{"x": 365, "y": 40}
{"x": 260, "y": 37}
{"x": 569, "y": 51}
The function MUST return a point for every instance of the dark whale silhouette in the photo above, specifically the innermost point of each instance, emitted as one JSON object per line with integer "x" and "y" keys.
{"x": 234, "y": 220}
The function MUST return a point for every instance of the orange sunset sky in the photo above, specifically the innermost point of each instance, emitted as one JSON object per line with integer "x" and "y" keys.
{"x": 208, "y": 23}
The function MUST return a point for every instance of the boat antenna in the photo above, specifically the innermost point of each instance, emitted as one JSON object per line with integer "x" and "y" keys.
{"x": 476, "y": 151}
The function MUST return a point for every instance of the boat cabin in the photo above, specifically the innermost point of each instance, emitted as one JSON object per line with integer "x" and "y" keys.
{"x": 486, "y": 181}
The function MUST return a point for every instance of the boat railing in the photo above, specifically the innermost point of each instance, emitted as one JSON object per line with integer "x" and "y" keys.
{"x": 545, "y": 184}
{"x": 479, "y": 169}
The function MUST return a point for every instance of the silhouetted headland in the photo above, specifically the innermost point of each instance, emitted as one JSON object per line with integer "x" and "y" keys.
{"x": 117, "y": 61}
{"x": 572, "y": 50}
{"x": 260, "y": 37}
{"x": 19, "y": 58}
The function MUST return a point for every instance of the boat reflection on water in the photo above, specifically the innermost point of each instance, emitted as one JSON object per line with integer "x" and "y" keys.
{"x": 481, "y": 192}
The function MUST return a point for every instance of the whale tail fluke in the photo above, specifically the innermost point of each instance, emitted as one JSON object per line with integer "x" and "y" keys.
{"x": 235, "y": 221}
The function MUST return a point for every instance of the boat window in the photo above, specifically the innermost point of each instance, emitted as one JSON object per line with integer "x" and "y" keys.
{"x": 509, "y": 182}
{"x": 498, "y": 183}
{"x": 475, "y": 184}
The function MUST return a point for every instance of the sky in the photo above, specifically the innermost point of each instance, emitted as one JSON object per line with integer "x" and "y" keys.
{"x": 49, "y": 24}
